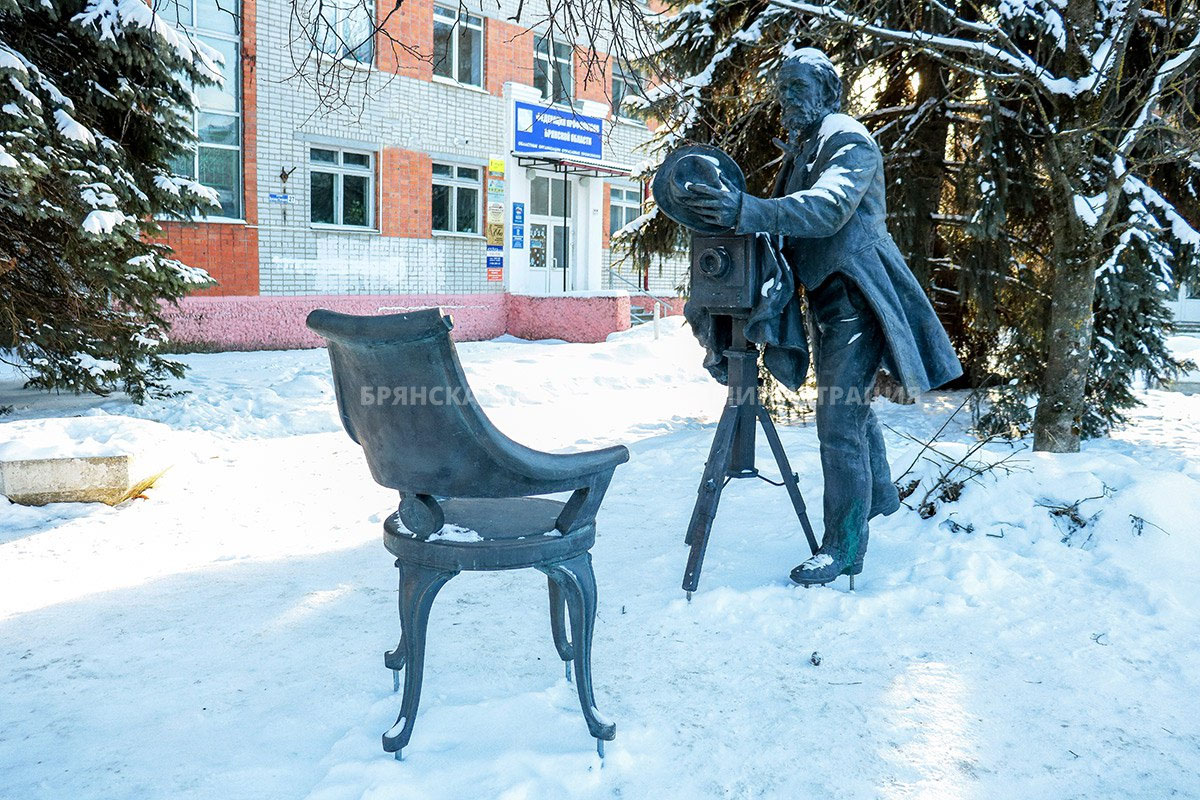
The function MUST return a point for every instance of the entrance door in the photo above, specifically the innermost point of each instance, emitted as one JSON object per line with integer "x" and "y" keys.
{"x": 551, "y": 240}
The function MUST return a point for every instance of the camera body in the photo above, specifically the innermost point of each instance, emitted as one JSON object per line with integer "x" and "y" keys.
{"x": 724, "y": 272}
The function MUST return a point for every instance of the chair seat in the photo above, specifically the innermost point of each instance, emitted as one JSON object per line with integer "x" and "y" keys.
{"x": 490, "y": 534}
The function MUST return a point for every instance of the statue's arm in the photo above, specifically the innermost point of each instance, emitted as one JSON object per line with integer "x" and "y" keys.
{"x": 824, "y": 208}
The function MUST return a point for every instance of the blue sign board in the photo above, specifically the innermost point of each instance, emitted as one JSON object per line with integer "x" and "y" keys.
{"x": 518, "y": 213}
{"x": 518, "y": 237}
{"x": 555, "y": 130}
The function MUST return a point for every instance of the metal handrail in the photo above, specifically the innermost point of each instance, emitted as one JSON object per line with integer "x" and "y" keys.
{"x": 612, "y": 273}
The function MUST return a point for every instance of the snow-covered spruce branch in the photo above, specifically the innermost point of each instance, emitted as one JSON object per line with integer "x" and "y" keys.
{"x": 1166, "y": 74}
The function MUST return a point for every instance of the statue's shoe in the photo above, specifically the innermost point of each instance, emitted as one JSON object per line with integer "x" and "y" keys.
{"x": 823, "y": 568}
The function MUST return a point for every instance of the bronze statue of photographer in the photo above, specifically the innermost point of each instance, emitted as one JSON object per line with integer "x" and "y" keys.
{"x": 824, "y": 227}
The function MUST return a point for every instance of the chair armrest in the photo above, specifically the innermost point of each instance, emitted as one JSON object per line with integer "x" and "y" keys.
{"x": 580, "y": 509}
{"x": 567, "y": 467}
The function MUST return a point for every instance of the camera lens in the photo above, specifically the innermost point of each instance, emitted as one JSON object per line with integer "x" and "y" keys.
{"x": 714, "y": 262}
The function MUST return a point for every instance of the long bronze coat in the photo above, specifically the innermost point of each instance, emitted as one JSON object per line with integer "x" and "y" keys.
{"x": 827, "y": 214}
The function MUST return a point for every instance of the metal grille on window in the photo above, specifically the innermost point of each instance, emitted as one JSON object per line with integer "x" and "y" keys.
{"x": 458, "y": 46}
{"x": 216, "y": 160}
{"x": 456, "y": 198}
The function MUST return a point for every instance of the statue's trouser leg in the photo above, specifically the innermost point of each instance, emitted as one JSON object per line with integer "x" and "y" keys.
{"x": 884, "y": 497}
{"x": 850, "y": 350}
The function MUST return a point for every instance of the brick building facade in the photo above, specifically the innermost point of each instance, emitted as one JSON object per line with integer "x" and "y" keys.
{"x": 457, "y": 176}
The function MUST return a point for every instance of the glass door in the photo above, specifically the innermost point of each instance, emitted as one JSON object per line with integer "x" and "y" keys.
{"x": 551, "y": 240}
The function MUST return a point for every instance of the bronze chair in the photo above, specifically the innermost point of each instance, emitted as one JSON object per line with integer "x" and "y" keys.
{"x": 465, "y": 491}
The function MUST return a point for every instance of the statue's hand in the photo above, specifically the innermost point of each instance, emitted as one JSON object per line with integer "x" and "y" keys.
{"x": 718, "y": 207}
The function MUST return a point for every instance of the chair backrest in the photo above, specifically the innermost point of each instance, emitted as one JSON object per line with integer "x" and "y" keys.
{"x": 403, "y": 396}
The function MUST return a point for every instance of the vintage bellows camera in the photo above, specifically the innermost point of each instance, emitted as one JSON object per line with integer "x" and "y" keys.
{"x": 725, "y": 276}
{"x": 724, "y": 272}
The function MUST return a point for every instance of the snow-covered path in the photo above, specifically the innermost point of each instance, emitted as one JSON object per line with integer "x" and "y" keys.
{"x": 224, "y": 638}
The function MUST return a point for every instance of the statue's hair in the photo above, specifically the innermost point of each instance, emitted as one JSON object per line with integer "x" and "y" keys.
{"x": 824, "y": 70}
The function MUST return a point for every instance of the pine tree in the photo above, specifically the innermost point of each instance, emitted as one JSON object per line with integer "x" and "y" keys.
{"x": 1068, "y": 206}
{"x": 95, "y": 99}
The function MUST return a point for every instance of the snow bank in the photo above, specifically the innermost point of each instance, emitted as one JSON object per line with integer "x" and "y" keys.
{"x": 83, "y": 437}
{"x": 226, "y": 637}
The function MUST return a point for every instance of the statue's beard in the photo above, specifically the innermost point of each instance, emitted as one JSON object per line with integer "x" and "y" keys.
{"x": 801, "y": 123}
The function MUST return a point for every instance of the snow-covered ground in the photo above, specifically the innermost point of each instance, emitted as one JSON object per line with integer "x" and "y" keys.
{"x": 223, "y": 638}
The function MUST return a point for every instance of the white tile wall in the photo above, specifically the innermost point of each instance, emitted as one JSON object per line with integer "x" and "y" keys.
{"x": 381, "y": 109}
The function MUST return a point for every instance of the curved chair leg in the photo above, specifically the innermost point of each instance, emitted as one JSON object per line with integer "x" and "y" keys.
{"x": 394, "y": 660}
{"x": 418, "y": 587}
{"x": 577, "y": 583}
{"x": 558, "y": 625}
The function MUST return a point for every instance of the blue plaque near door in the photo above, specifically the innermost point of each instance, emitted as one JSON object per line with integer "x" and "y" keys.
{"x": 518, "y": 213}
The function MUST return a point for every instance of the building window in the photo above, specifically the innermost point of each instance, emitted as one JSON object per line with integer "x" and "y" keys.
{"x": 458, "y": 46}
{"x": 216, "y": 159}
{"x": 624, "y": 206}
{"x": 626, "y": 82}
{"x": 345, "y": 29}
{"x": 549, "y": 197}
{"x": 456, "y": 195}
{"x": 553, "y": 72}
{"x": 341, "y": 186}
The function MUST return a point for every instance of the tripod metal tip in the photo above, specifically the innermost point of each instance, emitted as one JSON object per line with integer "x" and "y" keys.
{"x": 689, "y": 597}
{"x": 567, "y": 669}
{"x": 395, "y": 680}
{"x": 852, "y": 583}
{"x": 399, "y": 757}
{"x": 600, "y": 748}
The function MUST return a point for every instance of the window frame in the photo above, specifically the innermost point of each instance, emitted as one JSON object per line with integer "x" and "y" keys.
{"x": 455, "y": 55}
{"x": 343, "y": 16}
{"x": 339, "y": 170}
{"x": 202, "y": 33}
{"x": 632, "y": 80}
{"x": 454, "y": 182}
{"x": 624, "y": 203}
{"x": 550, "y": 57}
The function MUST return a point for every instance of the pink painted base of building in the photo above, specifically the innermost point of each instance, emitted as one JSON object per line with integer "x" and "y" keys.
{"x": 277, "y": 323}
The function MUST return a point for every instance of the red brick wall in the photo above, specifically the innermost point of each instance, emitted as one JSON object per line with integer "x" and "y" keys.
{"x": 592, "y": 77}
{"x": 229, "y": 251}
{"x": 604, "y": 240}
{"x": 508, "y": 55}
{"x": 250, "y": 116}
{"x": 412, "y": 25}
{"x": 405, "y": 189}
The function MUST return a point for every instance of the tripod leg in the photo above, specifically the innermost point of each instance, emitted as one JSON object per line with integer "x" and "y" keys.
{"x": 714, "y": 472}
{"x": 709, "y": 495}
{"x": 789, "y": 477}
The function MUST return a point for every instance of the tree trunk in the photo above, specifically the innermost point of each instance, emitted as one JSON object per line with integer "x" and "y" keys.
{"x": 923, "y": 183}
{"x": 1058, "y": 420}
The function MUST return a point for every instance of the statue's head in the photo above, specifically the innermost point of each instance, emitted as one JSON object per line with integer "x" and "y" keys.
{"x": 809, "y": 90}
